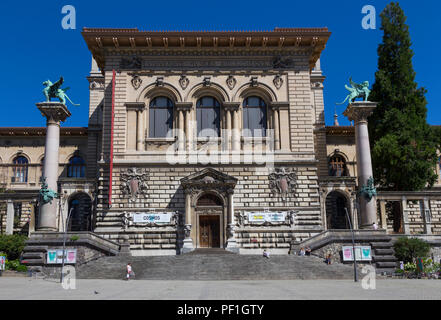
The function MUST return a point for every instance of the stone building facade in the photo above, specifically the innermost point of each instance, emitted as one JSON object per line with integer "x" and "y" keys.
{"x": 202, "y": 140}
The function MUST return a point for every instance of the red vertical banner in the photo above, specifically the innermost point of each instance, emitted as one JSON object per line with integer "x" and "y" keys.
{"x": 111, "y": 140}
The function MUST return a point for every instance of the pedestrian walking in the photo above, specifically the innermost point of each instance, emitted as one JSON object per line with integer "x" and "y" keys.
{"x": 130, "y": 272}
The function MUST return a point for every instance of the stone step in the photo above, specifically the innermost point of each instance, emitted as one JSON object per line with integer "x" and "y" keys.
{"x": 386, "y": 264}
{"x": 35, "y": 248}
{"x": 385, "y": 258}
{"x": 381, "y": 245}
{"x": 32, "y": 255}
{"x": 383, "y": 252}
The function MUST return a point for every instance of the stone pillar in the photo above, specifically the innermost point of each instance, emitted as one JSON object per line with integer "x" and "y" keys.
{"x": 228, "y": 132}
{"x": 188, "y": 241}
{"x": 54, "y": 113}
{"x": 9, "y": 217}
{"x": 188, "y": 130}
{"x": 139, "y": 131}
{"x": 383, "y": 214}
{"x": 359, "y": 112}
{"x": 427, "y": 217}
{"x": 236, "y": 130}
{"x": 231, "y": 241}
{"x": 276, "y": 129}
{"x": 181, "y": 136}
{"x": 405, "y": 215}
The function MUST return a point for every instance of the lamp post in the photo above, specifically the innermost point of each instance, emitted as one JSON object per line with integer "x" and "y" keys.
{"x": 353, "y": 246}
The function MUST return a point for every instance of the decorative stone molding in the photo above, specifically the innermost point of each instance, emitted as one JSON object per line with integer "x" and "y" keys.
{"x": 135, "y": 105}
{"x": 54, "y": 111}
{"x": 134, "y": 183}
{"x": 133, "y": 62}
{"x": 359, "y": 111}
{"x": 184, "y": 82}
{"x": 96, "y": 84}
{"x": 253, "y": 81}
{"x": 283, "y": 182}
{"x": 208, "y": 179}
{"x": 159, "y": 81}
{"x": 231, "y": 82}
{"x": 278, "y": 82}
{"x": 207, "y": 82}
{"x": 136, "y": 82}
{"x": 280, "y": 62}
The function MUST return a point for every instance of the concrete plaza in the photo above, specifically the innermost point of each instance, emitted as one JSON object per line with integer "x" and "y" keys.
{"x": 30, "y": 289}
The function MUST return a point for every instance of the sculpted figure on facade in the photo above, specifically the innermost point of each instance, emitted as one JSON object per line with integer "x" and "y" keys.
{"x": 136, "y": 82}
{"x": 134, "y": 183}
{"x": 283, "y": 182}
{"x": 184, "y": 82}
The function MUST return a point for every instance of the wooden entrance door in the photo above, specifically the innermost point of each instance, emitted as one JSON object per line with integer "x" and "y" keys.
{"x": 209, "y": 235}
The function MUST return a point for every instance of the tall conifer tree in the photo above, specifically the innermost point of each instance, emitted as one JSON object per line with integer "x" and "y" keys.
{"x": 403, "y": 144}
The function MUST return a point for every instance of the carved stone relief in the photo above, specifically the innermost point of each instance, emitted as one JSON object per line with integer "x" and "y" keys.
{"x": 134, "y": 183}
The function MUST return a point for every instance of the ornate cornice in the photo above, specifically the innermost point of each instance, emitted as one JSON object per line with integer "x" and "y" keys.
{"x": 102, "y": 41}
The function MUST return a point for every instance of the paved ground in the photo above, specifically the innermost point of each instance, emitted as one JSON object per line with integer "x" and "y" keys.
{"x": 28, "y": 289}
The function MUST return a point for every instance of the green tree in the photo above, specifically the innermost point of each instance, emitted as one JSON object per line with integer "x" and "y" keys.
{"x": 403, "y": 144}
{"x": 408, "y": 249}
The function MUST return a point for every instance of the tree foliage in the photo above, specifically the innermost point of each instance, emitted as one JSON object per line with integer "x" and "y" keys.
{"x": 403, "y": 143}
{"x": 408, "y": 249}
{"x": 12, "y": 245}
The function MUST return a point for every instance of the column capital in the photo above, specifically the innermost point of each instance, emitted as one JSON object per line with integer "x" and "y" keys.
{"x": 231, "y": 106}
{"x": 184, "y": 106}
{"x": 359, "y": 111}
{"x": 54, "y": 111}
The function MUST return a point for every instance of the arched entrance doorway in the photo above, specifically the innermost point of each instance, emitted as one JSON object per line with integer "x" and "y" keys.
{"x": 209, "y": 213}
{"x": 336, "y": 218}
{"x": 80, "y": 213}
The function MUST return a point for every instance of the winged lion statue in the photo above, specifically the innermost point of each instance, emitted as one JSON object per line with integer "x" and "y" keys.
{"x": 357, "y": 91}
{"x": 53, "y": 90}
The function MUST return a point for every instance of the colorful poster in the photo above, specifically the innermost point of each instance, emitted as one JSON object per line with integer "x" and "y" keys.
{"x": 56, "y": 256}
{"x": 362, "y": 253}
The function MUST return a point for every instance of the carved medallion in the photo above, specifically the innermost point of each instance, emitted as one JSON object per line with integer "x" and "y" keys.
{"x": 134, "y": 183}
{"x": 183, "y": 81}
{"x": 136, "y": 82}
{"x": 231, "y": 82}
{"x": 278, "y": 81}
{"x": 283, "y": 182}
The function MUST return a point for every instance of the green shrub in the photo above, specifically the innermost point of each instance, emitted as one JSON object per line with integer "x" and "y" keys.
{"x": 15, "y": 265}
{"x": 74, "y": 238}
{"x": 12, "y": 245}
{"x": 408, "y": 249}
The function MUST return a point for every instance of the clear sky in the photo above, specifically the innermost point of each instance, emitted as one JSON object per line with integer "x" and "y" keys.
{"x": 35, "y": 47}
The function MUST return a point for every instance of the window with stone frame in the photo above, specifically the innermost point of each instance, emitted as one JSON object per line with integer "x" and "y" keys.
{"x": 337, "y": 166}
{"x": 254, "y": 117}
{"x": 20, "y": 169}
{"x": 208, "y": 117}
{"x": 160, "y": 117}
{"x": 76, "y": 167}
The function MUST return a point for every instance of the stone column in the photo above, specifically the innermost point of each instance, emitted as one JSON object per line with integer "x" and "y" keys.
{"x": 383, "y": 214}
{"x": 228, "y": 132}
{"x": 276, "y": 129}
{"x": 54, "y": 113}
{"x": 9, "y": 217}
{"x": 188, "y": 130}
{"x": 139, "y": 131}
{"x": 181, "y": 135}
{"x": 406, "y": 226}
{"x": 231, "y": 241}
{"x": 188, "y": 241}
{"x": 236, "y": 130}
{"x": 359, "y": 112}
{"x": 427, "y": 217}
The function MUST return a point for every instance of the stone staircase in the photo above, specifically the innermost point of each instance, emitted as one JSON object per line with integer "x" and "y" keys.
{"x": 383, "y": 256}
{"x": 215, "y": 265}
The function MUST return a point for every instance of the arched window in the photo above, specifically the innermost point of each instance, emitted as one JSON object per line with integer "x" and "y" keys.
{"x": 20, "y": 169}
{"x": 337, "y": 166}
{"x": 254, "y": 117}
{"x": 160, "y": 117}
{"x": 76, "y": 167}
{"x": 207, "y": 116}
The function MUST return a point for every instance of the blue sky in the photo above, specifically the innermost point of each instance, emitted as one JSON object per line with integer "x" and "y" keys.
{"x": 36, "y": 48}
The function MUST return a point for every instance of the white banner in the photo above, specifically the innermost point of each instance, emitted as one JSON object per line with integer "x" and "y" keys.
{"x": 257, "y": 217}
{"x": 362, "y": 253}
{"x": 158, "y": 217}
